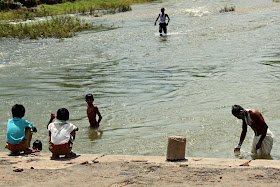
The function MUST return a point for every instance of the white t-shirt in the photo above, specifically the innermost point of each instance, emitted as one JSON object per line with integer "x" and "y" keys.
{"x": 60, "y": 131}
{"x": 162, "y": 18}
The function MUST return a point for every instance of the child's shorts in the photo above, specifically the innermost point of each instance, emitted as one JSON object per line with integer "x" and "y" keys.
{"x": 64, "y": 149}
{"x": 22, "y": 146}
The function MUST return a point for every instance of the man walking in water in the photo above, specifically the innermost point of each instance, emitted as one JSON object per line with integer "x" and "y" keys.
{"x": 263, "y": 138}
{"x": 162, "y": 24}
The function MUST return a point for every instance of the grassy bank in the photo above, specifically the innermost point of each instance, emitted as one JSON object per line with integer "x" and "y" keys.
{"x": 92, "y": 7}
{"x": 56, "y": 27}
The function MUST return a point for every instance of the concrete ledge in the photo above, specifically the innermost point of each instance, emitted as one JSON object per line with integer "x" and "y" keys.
{"x": 43, "y": 161}
{"x": 133, "y": 171}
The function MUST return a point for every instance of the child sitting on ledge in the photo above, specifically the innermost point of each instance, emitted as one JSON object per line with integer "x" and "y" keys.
{"x": 19, "y": 132}
{"x": 61, "y": 134}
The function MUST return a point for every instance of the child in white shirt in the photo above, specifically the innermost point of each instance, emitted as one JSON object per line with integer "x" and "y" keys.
{"x": 61, "y": 134}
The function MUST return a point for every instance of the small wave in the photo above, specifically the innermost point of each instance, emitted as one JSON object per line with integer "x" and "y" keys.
{"x": 196, "y": 12}
{"x": 258, "y": 9}
{"x": 173, "y": 33}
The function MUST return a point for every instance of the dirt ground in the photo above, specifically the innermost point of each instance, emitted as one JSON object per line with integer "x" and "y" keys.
{"x": 119, "y": 170}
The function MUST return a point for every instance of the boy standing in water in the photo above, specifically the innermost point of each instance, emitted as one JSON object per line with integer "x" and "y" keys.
{"x": 19, "y": 132}
{"x": 162, "y": 24}
{"x": 92, "y": 111}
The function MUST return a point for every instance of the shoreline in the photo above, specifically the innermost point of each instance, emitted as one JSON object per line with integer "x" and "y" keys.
{"x": 126, "y": 170}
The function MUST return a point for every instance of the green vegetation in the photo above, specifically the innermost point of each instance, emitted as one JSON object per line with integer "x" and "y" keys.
{"x": 227, "y": 9}
{"x": 59, "y": 26}
{"x": 17, "y": 10}
{"x": 276, "y": 1}
{"x": 56, "y": 27}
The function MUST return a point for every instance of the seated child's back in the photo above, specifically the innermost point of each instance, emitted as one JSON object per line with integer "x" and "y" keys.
{"x": 62, "y": 134}
{"x": 19, "y": 131}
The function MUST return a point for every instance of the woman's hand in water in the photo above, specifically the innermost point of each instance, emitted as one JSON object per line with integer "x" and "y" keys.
{"x": 236, "y": 150}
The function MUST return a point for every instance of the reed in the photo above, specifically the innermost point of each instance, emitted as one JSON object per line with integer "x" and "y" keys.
{"x": 56, "y": 27}
{"x": 227, "y": 9}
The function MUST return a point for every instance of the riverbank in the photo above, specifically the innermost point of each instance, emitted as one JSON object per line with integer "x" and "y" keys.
{"x": 62, "y": 26}
{"x": 91, "y": 7}
{"x": 123, "y": 170}
{"x": 56, "y": 27}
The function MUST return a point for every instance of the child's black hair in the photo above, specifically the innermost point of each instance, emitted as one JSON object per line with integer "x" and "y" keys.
{"x": 89, "y": 96}
{"x": 18, "y": 111}
{"x": 62, "y": 114}
{"x": 37, "y": 144}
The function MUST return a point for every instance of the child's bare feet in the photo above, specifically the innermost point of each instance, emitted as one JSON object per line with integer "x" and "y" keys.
{"x": 71, "y": 155}
{"x": 54, "y": 156}
{"x": 27, "y": 151}
{"x": 15, "y": 154}
{"x": 68, "y": 156}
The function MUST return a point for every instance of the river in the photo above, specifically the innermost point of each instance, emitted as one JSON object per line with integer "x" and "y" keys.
{"x": 149, "y": 87}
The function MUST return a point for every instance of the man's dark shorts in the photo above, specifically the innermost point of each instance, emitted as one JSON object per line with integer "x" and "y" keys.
{"x": 162, "y": 26}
